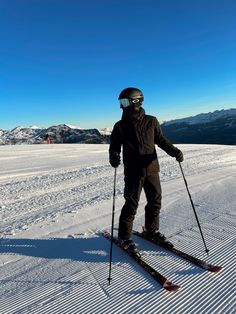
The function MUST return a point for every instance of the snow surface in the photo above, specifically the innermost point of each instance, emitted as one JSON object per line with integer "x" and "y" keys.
{"x": 55, "y": 199}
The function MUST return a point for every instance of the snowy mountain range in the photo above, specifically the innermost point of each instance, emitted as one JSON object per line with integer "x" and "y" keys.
{"x": 63, "y": 133}
{"x": 218, "y": 127}
{"x": 205, "y": 117}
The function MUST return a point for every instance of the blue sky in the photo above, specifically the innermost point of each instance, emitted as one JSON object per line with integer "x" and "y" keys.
{"x": 66, "y": 61}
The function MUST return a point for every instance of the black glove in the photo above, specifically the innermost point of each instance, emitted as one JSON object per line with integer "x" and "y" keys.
{"x": 179, "y": 157}
{"x": 115, "y": 160}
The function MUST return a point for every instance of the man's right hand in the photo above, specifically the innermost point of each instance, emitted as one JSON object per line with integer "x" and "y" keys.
{"x": 115, "y": 160}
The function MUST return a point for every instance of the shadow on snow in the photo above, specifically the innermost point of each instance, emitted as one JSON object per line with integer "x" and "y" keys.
{"x": 78, "y": 249}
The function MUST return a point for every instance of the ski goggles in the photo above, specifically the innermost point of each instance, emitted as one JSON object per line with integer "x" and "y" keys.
{"x": 125, "y": 102}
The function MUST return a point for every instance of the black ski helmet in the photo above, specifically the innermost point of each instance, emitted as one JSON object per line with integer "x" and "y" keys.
{"x": 134, "y": 95}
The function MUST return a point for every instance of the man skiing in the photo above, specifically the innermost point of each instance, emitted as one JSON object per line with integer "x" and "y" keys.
{"x": 137, "y": 133}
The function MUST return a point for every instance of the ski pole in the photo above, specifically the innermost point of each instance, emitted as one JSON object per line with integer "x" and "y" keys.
{"x": 194, "y": 210}
{"x": 112, "y": 225}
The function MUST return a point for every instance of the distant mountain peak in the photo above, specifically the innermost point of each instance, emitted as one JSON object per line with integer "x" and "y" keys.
{"x": 204, "y": 117}
{"x": 35, "y": 127}
{"x": 73, "y": 126}
{"x": 105, "y": 131}
{"x": 218, "y": 127}
{"x": 62, "y": 133}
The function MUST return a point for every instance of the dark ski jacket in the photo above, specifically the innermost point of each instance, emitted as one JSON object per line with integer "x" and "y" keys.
{"x": 138, "y": 133}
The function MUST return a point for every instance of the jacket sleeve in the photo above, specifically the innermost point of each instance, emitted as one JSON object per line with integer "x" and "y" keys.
{"x": 163, "y": 142}
{"x": 115, "y": 140}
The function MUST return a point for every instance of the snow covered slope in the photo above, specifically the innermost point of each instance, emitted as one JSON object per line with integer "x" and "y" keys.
{"x": 54, "y": 200}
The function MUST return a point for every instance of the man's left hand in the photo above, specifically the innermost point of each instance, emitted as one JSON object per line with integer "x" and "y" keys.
{"x": 179, "y": 157}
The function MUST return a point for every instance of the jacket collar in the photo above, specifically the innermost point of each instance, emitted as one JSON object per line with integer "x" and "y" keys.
{"x": 132, "y": 115}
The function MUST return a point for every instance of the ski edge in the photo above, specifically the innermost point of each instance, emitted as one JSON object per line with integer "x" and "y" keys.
{"x": 161, "y": 279}
{"x": 192, "y": 259}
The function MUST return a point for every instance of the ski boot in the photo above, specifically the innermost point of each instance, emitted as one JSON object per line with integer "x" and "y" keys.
{"x": 130, "y": 247}
{"x": 158, "y": 237}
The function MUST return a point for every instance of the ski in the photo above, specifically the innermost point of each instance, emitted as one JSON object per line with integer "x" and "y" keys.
{"x": 162, "y": 280}
{"x": 190, "y": 258}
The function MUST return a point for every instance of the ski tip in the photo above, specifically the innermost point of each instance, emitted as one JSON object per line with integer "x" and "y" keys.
{"x": 106, "y": 234}
{"x": 170, "y": 286}
{"x": 214, "y": 269}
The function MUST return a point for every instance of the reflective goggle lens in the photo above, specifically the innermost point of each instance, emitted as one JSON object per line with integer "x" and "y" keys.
{"x": 124, "y": 102}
